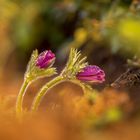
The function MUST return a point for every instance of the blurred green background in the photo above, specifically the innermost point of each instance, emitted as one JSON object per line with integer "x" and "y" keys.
{"x": 107, "y": 31}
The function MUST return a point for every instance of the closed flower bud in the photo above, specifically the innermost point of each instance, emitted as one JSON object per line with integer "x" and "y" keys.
{"x": 45, "y": 59}
{"x": 92, "y": 74}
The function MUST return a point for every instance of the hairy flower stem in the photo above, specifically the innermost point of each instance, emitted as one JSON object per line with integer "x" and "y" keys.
{"x": 43, "y": 91}
{"x": 50, "y": 85}
{"x": 20, "y": 97}
{"x": 77, "y": 82}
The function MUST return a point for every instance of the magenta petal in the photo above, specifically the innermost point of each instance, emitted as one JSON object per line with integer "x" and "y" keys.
{"x": 91, "y": 74}
{"x": 91, "y": 70}
{"x": 92, "y": 79}
{"x": 45, "y": 59}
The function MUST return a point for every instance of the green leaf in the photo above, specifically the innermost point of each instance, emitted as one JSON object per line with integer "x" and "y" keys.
{"x": 75, "y": 64}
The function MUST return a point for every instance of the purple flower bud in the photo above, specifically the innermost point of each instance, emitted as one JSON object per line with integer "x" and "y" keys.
{"x": 91, "y": 74}
{"x": 45, "y": 59}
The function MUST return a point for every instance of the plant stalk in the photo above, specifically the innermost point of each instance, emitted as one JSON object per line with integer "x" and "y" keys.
{"x": 44, "y": 90}
{"x": 20, "y": 97}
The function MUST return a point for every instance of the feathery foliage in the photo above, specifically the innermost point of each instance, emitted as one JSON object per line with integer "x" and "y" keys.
{"x": 34, "y": 72}
{"x": 75, "y": 64}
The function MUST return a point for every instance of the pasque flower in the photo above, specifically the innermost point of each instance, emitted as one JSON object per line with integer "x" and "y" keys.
{"x": 39, "y": 66}
{"x": 45, "y": 59}
{"x": 75, "y": 63}
{"x": 75, "y": 71}
{"x": 91, "y": 73}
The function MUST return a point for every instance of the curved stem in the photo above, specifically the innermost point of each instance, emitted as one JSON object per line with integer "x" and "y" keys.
{"x": 43, "y": 91}
{"x": 77, "y": 82}
{"x": 20, "y": 97}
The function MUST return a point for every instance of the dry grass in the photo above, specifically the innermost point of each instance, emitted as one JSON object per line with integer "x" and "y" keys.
{"x": 64, "y": 115}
